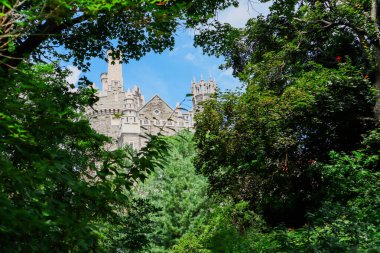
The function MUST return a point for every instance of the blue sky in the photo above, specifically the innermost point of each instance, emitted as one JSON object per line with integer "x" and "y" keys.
{"x": 170, "y": 74}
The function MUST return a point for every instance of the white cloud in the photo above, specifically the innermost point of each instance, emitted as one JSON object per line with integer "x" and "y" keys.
{"x": 239, "y": 16}
{"x": 227, "y": 72}
{"x": 74, "y": 75}
{"x": 190, "y": 57}
{"x": 179, "y": 49}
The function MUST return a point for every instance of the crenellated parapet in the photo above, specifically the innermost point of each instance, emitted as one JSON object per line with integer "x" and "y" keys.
{"x": 202, "y": 90}
{"x": 102, "y": 112}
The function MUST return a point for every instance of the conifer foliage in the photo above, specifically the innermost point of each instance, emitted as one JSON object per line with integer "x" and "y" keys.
{"x": 178, "y": 193}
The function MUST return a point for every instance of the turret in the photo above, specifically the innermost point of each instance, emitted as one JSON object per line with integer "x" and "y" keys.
{"x": 202, "y": 90}
{"x": 130, "y": 109}
{"x": 139, "y": 97}
{"x": 130, "y": 101}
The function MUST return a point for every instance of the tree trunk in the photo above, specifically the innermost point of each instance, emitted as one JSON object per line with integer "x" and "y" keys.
{"x": 374, "y": 16}
{"x": 377, "y": 83}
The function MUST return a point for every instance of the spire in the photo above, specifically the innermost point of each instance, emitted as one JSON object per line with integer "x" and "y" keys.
{"x": 202, "y": 77}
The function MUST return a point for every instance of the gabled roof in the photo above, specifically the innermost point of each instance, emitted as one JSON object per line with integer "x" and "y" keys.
{"x": 156, "y": 97}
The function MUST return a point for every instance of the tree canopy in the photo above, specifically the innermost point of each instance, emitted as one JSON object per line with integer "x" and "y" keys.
{"x": 87, "y": 28}
{"x": 296, "y": 32}
{"x": 310, "y": 79}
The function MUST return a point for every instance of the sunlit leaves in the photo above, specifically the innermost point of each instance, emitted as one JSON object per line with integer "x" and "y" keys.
{"x": 88, "y": 28}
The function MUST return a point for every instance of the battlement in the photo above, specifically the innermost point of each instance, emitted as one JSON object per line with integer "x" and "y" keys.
{"x": 202, "y": 90}
{"x": 104, "y": 112}
{"x": 203, "y": 87}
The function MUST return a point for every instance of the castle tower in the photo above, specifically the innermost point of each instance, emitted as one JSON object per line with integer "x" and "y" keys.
{"x": 202, "y": 91}
{"x": 113, "y": 80}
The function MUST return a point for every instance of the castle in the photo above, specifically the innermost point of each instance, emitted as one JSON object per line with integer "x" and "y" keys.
{"x": 127, "y": 119}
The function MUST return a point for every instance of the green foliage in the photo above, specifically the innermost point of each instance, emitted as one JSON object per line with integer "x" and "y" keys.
{"x": 226, "y": 228}
{"x": 309, "y": 77}
{"x": 259, "y": 146}
{"x": 129, "y": 234}
{"x": 57, "y": 183}
{"x": 177, "y": 192}
{"x": 347, "y": 221}
{"x": 295, "y": 32}
{"x": 290, "y": 146}
{"x": 87, "y": 28}
{"x": 60, "y": 191}
{"x": 284, "y": 159}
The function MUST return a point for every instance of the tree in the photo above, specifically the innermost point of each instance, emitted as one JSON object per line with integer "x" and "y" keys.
{"x": 177, "y": 192}
{"x": 58, "y": 185}
{"x": 347, "y": 221}
{"x": 326, "y": 32}
{"x": 309, "y": 76}
{"x": 87, "y": 28}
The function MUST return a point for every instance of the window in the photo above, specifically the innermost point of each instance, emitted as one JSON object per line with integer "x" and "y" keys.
{"x": 131, "y": 144}
{"x": 156, "y": 111}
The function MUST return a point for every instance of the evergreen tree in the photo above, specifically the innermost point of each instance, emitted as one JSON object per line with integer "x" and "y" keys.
{"x": 177, "y": 191}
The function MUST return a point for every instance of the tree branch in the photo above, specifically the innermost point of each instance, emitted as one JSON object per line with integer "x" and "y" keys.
{"x": 34, "y": 40}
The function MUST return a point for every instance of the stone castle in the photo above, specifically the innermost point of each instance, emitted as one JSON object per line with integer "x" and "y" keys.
{"x": 127, "y": 119}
